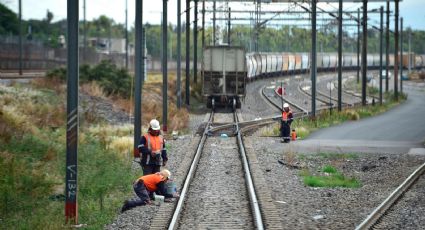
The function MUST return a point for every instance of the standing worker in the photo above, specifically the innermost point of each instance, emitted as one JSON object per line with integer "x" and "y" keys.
{"x": 145, "y": 186}
{"x": 287, "y": 119}
{"x": 152, "y": 148}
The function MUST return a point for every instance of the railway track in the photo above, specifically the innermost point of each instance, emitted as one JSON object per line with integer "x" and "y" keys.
{"x": 329, "y": 101}
{"x": 395, "y": 211}
{"x": 276, "y": 101}
{"x": 219, "y": 191}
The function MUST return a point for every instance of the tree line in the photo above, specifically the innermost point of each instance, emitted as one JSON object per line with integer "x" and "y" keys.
{"x": 277, "y": 39}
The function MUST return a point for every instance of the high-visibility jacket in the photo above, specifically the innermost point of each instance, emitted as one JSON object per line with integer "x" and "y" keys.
{"x": 151, "y": 181}
{"x": 150, "y": 144}
{"x": 287, "y": 116}
{"x": 154, "y": 143}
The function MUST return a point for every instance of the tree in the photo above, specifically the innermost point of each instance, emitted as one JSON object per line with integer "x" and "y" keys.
{"x": 9, "y": 22}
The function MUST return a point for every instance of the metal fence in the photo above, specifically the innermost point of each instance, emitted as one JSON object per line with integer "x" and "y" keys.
{"x": 38, "y": 56}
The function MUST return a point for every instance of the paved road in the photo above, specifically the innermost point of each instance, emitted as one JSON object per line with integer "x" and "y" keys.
{"x": 405, "y": 122}
{"x": 400, "y": 130}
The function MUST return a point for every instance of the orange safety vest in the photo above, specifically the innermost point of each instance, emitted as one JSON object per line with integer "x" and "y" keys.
{"x": 154, "y": 143}
{"x": 285, "y": 115}
{"x": 151, "y": 181}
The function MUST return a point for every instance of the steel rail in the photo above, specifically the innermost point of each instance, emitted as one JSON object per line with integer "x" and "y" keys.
{"x": 395, "y": 195}
{"x": 251, "y": 190}
{"x": 304, "y": 111}
{"x": 173, "y": 223}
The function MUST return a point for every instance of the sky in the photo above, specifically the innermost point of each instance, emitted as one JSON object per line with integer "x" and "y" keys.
{"x": 411, "y": 10}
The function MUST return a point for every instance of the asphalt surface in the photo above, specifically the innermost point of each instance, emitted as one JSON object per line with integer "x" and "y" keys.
{"x": 405, "y": 122}
{"x": 399, "y": 130}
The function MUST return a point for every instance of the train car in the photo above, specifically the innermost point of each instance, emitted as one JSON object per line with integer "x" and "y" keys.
{"x": 347, "y": 61}
{"x": 319, "y": 60}
{"x": 370, "y": 60}
{"x": 258, "y": 67}
{"x": 405, "y": 60}
{"x": 391, "y": 63}
{"x": 333, "y": 61}
{"x": 305, "y": 64}
{"x": 376, "y": 60}
{"x": 263, "y": 59}
{"x": 285, "y": 63}
{"x": 224, "y": 76}
{"x": 250, "y": 65}
{"x": 326, "y": 61}
{"x": 291, "y": 66}
{"x": 279, "y": 62}
{"x": 298, "y": 62}
{"x": 419, "y": 61}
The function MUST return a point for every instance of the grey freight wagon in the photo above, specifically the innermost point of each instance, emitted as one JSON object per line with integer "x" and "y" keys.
{"x": 224, "y": 76}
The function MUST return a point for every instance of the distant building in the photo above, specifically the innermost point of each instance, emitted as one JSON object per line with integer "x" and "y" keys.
{"x": 109, "y": 46}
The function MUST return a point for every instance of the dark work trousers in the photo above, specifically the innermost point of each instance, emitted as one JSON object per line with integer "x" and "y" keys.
{"x": 150, "y": 169}
{"x": 285, "y": 130}
{"x": 141, "y": 192}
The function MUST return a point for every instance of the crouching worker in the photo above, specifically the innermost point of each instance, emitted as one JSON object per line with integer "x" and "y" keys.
{"x": 145, "y": 186}
{"x": 152, "y": 148}
{"x": 287, "y": 119}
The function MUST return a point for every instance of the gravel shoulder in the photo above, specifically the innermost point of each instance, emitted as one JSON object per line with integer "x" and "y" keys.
{"x": 303, "y": 207}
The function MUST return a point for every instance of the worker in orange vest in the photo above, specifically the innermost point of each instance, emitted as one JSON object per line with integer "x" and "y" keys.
{"x": 145, "y": 186}
{"x": 152, "y": 149}
{"x": 287, "y": 119}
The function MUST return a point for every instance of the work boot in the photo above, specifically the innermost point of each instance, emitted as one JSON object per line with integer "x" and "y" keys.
{"x": 125, "y": 207}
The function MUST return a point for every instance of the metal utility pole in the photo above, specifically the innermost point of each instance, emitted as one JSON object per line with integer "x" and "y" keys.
{"x": 387, "y": 48}
{"x": 85, "y": 34}
{"x": 380, "y": 53}
{"x": 139, "y": 69}
{"x": 228, "y": 28}
{"x": 187, "y": 52}
{"x": 410, "y": 51}
{"x": 71, "y": 204}
{"x": 214, "y": 38}
{"x": 257, "y": 24}
{"x": 195, "y": 43}
{"x": 358, "y": 45}
{"x": 20, "y": 37}
{"x": 313, "y": 58}
{"x": 401, "y": 54}
{"x": 203, "y": 25}
{"x": 396, "y": 61}
{"x": 179, "y": 51}
{"x": 164, "y": 65}
{"x": 364, "y": 53}
{"x": 340, "y": 56}
{"x": 126, "y": 35}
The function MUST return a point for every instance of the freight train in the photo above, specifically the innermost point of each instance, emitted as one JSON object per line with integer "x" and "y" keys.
{"x": 277, "y": 64}
{"x": 227, "y": 69}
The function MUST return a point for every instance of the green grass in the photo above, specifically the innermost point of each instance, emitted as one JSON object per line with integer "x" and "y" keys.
{"x": 329, "y": 169}
{"x": 332, "y": 180}
{"x": 32, "y": 168}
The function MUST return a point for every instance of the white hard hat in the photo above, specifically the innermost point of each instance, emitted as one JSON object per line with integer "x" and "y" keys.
{"x": 154, "y": 124}
{"x": 285, "y": 105}
{"x": 165, "y": 173}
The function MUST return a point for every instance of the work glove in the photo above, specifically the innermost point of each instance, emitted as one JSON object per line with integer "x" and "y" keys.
{"x": 176, "y": 195}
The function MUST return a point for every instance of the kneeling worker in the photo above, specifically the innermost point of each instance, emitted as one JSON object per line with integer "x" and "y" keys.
{"x": 145, "y": 186}
{"x": 287, "y": 119}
